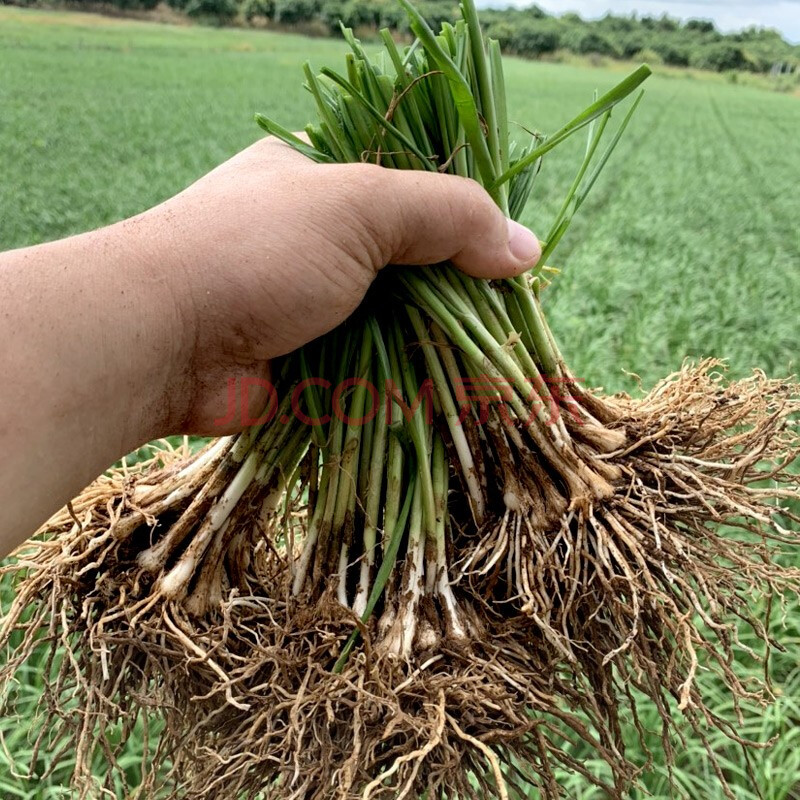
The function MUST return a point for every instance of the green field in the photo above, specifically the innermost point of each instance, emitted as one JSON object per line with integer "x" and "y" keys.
{"x": 689, "y": 246}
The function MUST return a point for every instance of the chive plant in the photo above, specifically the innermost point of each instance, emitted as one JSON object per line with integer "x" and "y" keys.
{"x": 440, "y": 105}
{"x": 378, "y": 602}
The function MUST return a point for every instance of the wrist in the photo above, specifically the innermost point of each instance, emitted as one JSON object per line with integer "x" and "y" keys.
{"x": 141, "y": 361}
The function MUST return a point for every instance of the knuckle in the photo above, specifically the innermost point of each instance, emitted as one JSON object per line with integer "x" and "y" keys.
{"x": 370, "y": 179}
{"x": 366, "y": 205}
{"x": 479, "y": 208}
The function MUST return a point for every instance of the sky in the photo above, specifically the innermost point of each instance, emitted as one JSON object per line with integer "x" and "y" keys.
{"x": 729, "y": 15}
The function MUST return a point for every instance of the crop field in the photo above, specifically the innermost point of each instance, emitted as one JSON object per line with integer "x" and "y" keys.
{"x": 688, "y": 247}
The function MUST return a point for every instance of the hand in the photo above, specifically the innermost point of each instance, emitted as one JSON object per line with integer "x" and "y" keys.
{"x": 270, "y": 251}
{"x": 125, "y": 334}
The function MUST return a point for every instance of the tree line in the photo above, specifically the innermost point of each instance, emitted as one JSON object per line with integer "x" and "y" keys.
{"x": 528, "y": 32}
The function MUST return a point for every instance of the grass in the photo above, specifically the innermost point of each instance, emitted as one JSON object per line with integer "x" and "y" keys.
{"x": 689, "y": 245}
{"x": 788, "y": 82}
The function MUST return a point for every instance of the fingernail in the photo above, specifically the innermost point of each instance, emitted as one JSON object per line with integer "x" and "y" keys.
{"x": 523, "y": 244}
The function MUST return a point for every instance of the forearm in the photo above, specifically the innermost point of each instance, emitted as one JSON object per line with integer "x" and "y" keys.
{"x": 87, "y": 345}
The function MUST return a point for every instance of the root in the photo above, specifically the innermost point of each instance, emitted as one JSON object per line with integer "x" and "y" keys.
{"x": 490, "y": 661}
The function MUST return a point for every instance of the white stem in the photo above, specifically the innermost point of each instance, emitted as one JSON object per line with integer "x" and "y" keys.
{"x": 341, "y": 589}
{"x": 362, "y": 593}
{"x": 400, "y": 638}
{"x": 146, "y": 493}
{"x": 207, "y": 457}
{"x": 310, "y": 543}
{"x": 445, "y": 592}
{"x": 174, "y": 581}
{"x": 233, "y": 493}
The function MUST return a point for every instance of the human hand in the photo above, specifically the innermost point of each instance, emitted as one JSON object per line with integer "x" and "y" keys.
{"x": 135, "y": 331}
{"x": 271, "y": 250}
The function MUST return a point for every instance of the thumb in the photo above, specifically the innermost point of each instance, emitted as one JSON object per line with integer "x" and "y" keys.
{"x": 430, "y": 217}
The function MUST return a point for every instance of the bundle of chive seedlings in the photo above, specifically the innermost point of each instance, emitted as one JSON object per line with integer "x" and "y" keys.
{"x": 369, "y": 600}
